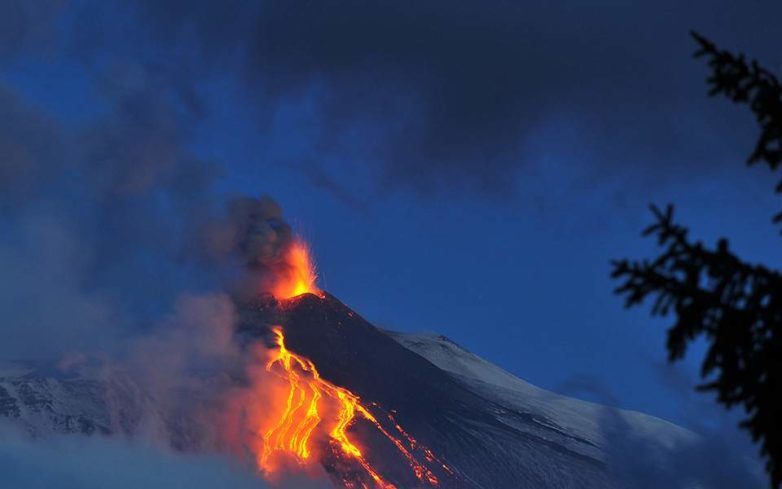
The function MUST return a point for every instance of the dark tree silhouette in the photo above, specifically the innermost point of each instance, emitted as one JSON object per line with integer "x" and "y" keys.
{"x": 714, "y": 294}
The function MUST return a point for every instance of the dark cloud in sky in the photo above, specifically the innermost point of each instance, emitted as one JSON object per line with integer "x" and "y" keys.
{"x": 29, "y": 139}
{"x": 447, "y": 95}
{"x": 28, "y": 27}
{"x": 444, "y": 96}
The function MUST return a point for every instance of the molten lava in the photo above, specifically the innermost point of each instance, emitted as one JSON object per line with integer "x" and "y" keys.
{"x": 316, "y": 408}
{"x": 298, "y": 276}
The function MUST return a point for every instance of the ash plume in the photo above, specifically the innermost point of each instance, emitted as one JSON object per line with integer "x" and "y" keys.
{"x": 253, "y": 235}
{"x": 253, "y": 231}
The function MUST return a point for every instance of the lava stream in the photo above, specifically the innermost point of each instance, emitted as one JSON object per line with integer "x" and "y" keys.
{"x": 292, "y": 431}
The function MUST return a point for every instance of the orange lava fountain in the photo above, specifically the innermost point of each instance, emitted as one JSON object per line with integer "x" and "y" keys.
{"x": 299, "y": 275}
{"x": 291, "y": 431}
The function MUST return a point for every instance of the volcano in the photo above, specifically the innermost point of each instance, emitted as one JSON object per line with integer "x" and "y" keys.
{"x": 486, "y": 428}
{"x": 461, "y": 421}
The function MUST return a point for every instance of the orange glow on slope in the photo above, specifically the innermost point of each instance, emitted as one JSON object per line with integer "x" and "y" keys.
{"x": 299, "y": 275}
{"x": 291, "y": 431}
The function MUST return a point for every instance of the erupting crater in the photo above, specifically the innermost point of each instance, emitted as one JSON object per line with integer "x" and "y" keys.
{"x": 299, "y": 275}
{"x": 305, "y": 420}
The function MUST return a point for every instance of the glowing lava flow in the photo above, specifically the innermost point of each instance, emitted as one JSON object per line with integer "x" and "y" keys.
{"x": 292, "y": 431}
{"x": 299, "y": 275}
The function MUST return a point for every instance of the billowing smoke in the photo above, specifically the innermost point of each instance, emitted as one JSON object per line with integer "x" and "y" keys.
{"x": 97, "y": 217}
{"x": 270, "y": 258}
{"x": 252, "y": 233}
{"x": 104, "y": 205}
{"x": 260, "y": 234}
{"x": 104, "y": 198}
{"x": 186, "y": 367}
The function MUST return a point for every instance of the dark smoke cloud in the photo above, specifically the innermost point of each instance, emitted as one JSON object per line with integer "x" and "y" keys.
{"x": 254, "y": 236}
{"x": 254, "y": 230}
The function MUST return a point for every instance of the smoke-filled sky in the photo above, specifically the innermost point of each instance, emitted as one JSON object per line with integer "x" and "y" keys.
{"x": 468, "y": 168}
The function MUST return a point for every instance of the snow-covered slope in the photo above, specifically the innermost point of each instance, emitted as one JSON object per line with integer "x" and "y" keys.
{"x": 42, "y": 400}
{"x": 589, "y": 421}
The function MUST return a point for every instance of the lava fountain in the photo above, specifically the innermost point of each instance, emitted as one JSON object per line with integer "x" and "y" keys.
{"x": 307, "y": 420}
{"x": 298, "y": 275}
